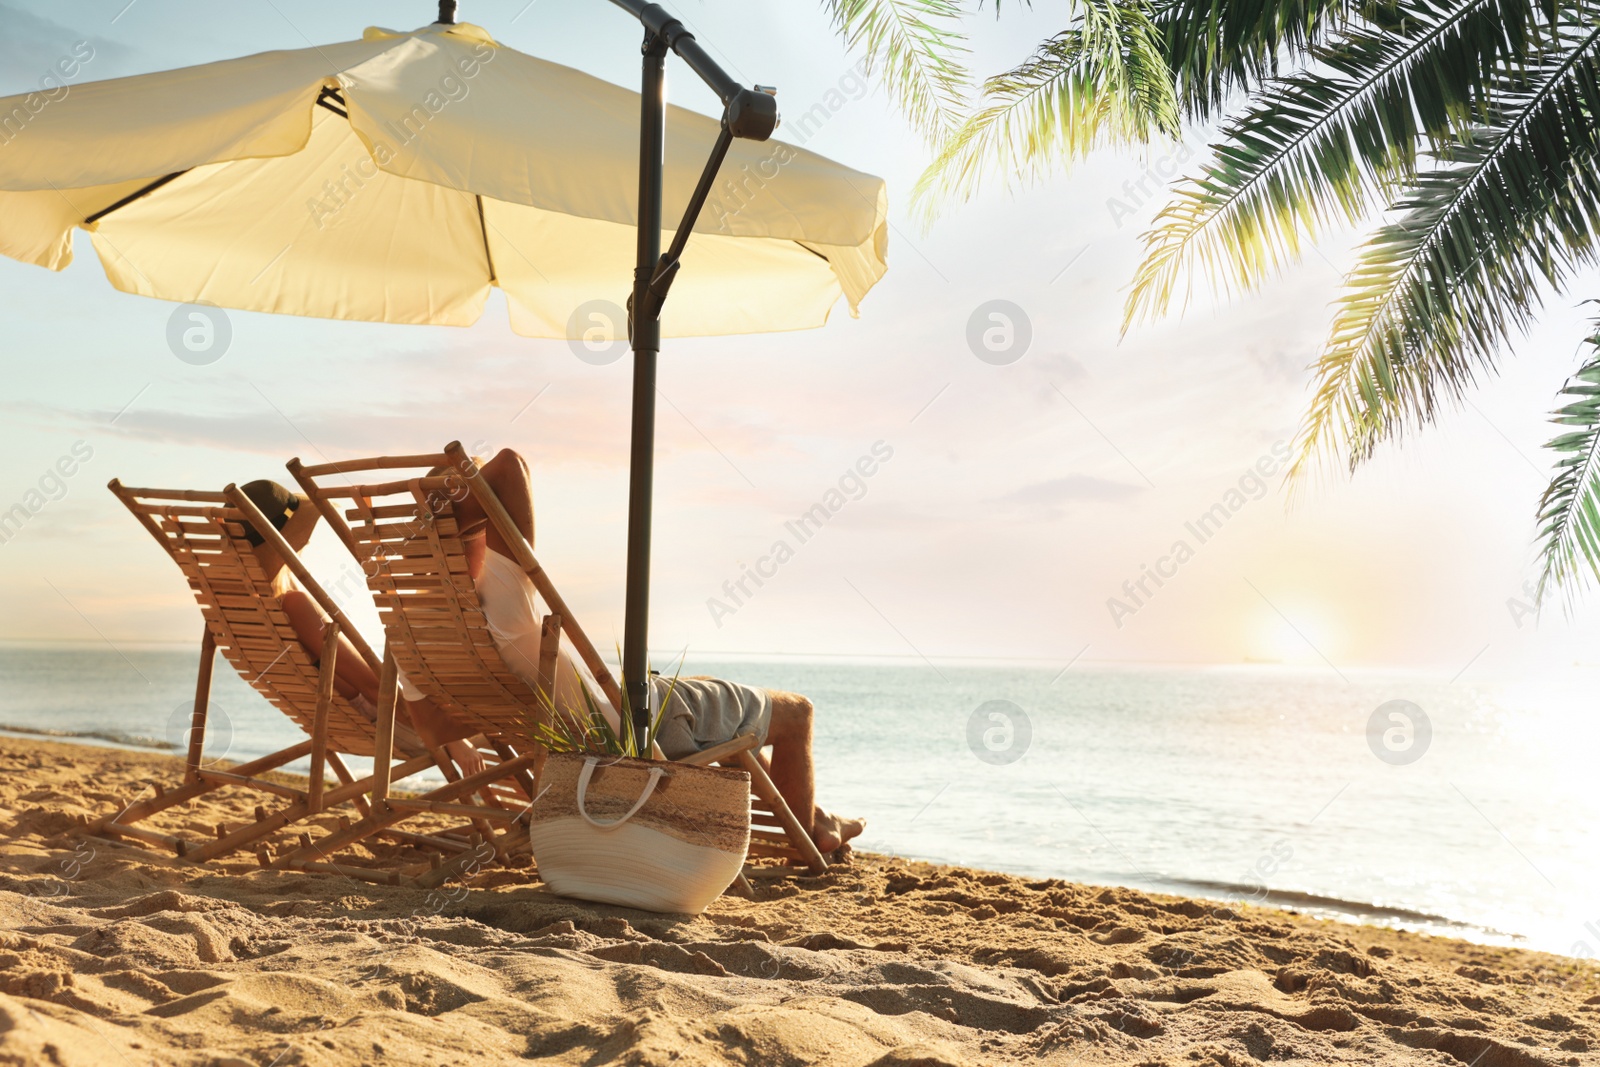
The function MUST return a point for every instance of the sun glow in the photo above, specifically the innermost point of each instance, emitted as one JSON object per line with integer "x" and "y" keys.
{"x": 1293, "y": 633}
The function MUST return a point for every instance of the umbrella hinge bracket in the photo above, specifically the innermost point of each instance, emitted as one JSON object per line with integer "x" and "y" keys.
{"x": 333, "y": 100}
{"x": 654, "y": 291}
{"x": 660, "y": 282}
{"x": 662, "y": 31}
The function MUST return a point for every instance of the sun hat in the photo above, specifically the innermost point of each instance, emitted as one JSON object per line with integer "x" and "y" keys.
{"x": 275, "y": 502}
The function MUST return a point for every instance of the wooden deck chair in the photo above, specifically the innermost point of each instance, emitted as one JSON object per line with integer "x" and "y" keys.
{"x": 204, "y": 534}
{"x": 403, "y": 532}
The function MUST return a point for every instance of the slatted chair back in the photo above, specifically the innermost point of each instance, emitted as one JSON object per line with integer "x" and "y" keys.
{"x": 205, "y": 536}
{"x": 404, "y": 533}
{"x": 416, "y": 568}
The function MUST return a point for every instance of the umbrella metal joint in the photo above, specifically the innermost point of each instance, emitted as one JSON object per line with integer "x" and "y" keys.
{"x": 447, "y": 13}
{"x": 658, "y": 38}
{"x": 752, "y": 113}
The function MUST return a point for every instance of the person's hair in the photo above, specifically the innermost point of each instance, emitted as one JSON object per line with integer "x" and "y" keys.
{"x": 275, "y": 502}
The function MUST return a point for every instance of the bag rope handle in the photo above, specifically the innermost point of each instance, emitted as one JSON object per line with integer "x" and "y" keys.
{"x": 587, "y": 773}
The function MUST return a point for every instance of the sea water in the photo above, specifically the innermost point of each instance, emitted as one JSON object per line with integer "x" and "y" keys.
{"x": 1254, "y": 784}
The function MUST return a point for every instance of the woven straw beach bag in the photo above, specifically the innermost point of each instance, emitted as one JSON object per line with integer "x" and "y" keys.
{"x": 660, "y": 836}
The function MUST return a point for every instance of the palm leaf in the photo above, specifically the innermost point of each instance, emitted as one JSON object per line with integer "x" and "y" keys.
{"x": 1104, "y": 81}
{"x": 1218, "y": 48}
{"x": 916, "y": 47}
{"x": 1569, "y": 510}
{"x": 1512, "y": 211}
{"x": 1327, "y": 146}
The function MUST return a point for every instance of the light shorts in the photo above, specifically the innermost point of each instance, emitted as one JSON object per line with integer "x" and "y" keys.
{"x": 708, "y": 711}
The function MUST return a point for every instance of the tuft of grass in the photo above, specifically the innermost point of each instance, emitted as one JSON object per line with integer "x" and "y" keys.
{"x": 589, "y": 732}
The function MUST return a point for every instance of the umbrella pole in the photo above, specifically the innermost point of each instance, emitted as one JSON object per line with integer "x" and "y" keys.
{"x": 747, "y": 113}
{"x": 645, "y": 327}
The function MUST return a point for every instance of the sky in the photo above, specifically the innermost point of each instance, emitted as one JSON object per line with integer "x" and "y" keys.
{"x": 1011, "y": 506}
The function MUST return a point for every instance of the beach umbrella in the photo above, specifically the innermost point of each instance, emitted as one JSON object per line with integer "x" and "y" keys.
{"x": 399, "y": 177}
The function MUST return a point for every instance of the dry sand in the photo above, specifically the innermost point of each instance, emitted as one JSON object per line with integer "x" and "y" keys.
{"x": 109, "y": 956}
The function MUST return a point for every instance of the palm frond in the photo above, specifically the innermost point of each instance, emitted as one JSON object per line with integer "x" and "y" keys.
{"x": 1513, "y": 210}
{"x": 1569, "y": 510}
{"x": 1327, "y": 146}
{"x": 917, "y": 49}
{"x": 1103, "y": 81}
{"x": 1218, "y": 48}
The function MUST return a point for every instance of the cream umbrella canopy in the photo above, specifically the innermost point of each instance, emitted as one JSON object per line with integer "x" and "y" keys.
{"x": 398, "y": 178}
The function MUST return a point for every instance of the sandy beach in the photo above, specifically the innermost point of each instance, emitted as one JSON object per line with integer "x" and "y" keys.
{"x": 110, "y": 956}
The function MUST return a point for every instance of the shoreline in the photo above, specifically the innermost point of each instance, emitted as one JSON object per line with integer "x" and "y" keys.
{"x": 881, "y": 962}
{"x": 1041, "y": 663}
{"x": 1292, "y": 902}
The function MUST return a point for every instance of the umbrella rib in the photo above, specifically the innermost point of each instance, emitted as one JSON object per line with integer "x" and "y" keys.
{"x": 131, "y": 197}
{"x": 322, "y": 98}
{"x": 813, "y": 251}
{"x": 483, "y": 228}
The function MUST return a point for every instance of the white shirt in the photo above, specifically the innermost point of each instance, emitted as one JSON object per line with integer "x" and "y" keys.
{"x": 506, "y": 594}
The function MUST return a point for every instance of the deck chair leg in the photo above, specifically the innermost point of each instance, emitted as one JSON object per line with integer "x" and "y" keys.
{"x": 326, "y": 671}
{"x": 524, "y": 779}
{"x": 202, "y": 704}
{"x": 247, "y": 834}
{"x": 294, "y": 812}
{"x": 143, "y": 809}
{"x": 470, "y": 860}
{"x": 549, "y": 659}
{"x": 345, "y": 778}
{"x": 767, "y": 791}
{"x": 385, "y": 817}
{"x": 380, "y": 819}
{"x": 383, "y": 746}
{"x": 452, "y": 774}
{"x": 503, "y": 843}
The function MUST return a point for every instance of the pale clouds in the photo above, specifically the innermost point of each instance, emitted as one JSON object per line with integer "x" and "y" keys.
{"x": 1019, "y": 497}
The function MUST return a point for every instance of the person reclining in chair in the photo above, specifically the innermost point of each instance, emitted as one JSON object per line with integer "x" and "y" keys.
{"x": 291, "y": 514}
{"x": 702, "y": 711}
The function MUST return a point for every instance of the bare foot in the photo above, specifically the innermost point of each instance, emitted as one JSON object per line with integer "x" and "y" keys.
{"x": 829, "y": 831}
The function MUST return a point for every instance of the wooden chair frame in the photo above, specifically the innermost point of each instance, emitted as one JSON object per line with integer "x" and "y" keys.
{"x": 414, "y": 559}
{"x": 204, "y": 534}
